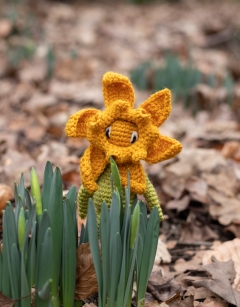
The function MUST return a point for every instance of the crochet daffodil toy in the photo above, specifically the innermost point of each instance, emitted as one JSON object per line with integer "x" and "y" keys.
{"x": 128, "y": 135}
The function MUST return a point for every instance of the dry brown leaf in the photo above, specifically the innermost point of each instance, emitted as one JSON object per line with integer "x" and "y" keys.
{"x": 75, "y": 91}
{"x": 231, "y": 150}
{"x": 162, "y": 254}
{"x": 234, "y": 228}
{"x": 224, "y": 252}
{"x": 182, "y": 265}
{"x": 177, "y": 302}
{"x": 89, "y": 305}
{"x": 192, "y": 159}
{"x": 154, "y": 304}
{"x": 86, "y": 281}
{"x": 149, "y": 298}
{"x": 225, "y": 209}
{"x": 197, "y": 188}
{"x": 73, "y": 69}
{"x": 34, "y": 72}
{"x": 162, "y": 288}
{"x": 225, "y": 181}
{"x": 40, "y": 101}
{"x": 195, "y": 231}
{"x": 222, "y": 275}
{"x": 212, "y": 302}
{"x": 6, "y": 301}
{"x": 199, "y": 293}
{"x": 173, "y": 186}
{"x": 6, "y": 194}
{"x": 171, "y": 244}
{"x": 14, "y": 163}
{"x": 6, "y": 88}
{"x": 179, "y": 204}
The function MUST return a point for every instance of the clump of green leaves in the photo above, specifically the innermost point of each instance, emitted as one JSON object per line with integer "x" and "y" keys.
{"x": 181, "y": 79}
{"x": 128, "y": 246}
{"x": 20, "y": 52}
{"x": 40, "y": 240}
{"x": 39, "y": 243}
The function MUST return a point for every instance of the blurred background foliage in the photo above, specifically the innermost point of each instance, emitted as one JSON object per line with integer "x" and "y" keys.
{"x": 191, "y": 86}
{"x": 185, "y": 80}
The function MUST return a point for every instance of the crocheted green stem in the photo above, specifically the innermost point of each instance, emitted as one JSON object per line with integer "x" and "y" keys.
{"x": 104, "y": 193}
{"x": 83, "y": 197}
{"x": 152, "y": 198}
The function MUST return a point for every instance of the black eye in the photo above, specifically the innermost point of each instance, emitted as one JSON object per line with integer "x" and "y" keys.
{"x": 108, "y": 132}
{"x": 134, "y": 137}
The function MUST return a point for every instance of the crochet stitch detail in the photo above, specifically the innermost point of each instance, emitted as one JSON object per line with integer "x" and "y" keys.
{"x": 152, "y": 199}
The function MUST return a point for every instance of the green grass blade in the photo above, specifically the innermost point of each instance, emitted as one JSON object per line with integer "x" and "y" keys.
{"x": 68, "y": 256}
{"x": 28, "y": 227}
{"x": 28, "y": 200}
{"x": 153, "y": 233}
{"x": 116, "y": 175}
{"x": 5, "y": 275}
{"x": 10, "y": 225}
{"x": 44, "y": 225}
{"x": 21, "y": 190}
{"x": 93, "y": 241}
{"x": 35, "y": 188}
{"x": 127, "y": 196}
{"x": 16, "y": 273}
{"x": 45, "y": 292}
{"x": 44, "y": 267}
{"x": 26, "y": 215}
{"x": 125, "y": 239}
{"x": 25, "y": 281}
{"x": 17, "y": 205}
{"x": 149, "y": 246}
{"x": 115, "y": 267}
{"x": 25, "y": 288}
{"x": 47, "y": 180}
{"x": 130, "y": 274}
{"x": 122, "y": 280}
{"x": 134, "y": 225}
{"x": 10, "y": 236}
{"x": 71, "y": 196}
{"x": 126, "y": 221}
{"x": 139, "y": 255}
{"x": 55, "y": 211}
{"x": 82, "y": 234}
{"x": 86, "y": 239}
{"x": 31, "y": 257}
{"x": 143, "y": 220}
{"x": 105, "y": 238}
{"x": 114, "y": 219}
{"x": 21, "y": 228}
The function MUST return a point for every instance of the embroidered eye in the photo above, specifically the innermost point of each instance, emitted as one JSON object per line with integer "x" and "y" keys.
{"x": 108, "y": 132}
{"x": 134, "y": 137}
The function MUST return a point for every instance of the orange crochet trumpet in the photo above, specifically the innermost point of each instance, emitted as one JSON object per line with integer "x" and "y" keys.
{"x": 127, "y": 134}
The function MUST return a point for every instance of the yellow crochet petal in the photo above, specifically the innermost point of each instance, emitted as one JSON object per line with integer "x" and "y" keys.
{"x": 137, "y": 177}
{"x": 77, "y": 124}
{"x": 158, "y": 106}
{"x": 92, "y": 164}
{"x": 162, "y": 149}
{"x": 117, "y": 87}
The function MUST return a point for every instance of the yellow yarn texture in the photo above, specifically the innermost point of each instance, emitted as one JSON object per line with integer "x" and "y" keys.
{"x": 127, "y": 134}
